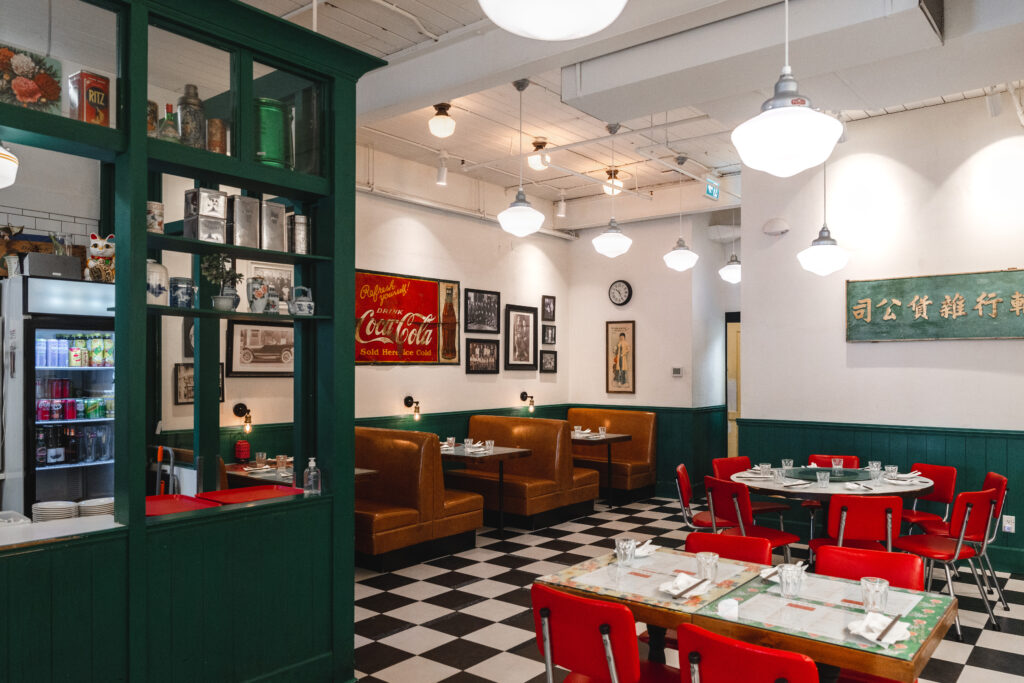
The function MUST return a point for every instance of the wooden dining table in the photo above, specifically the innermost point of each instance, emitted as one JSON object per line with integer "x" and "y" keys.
{"x": 606, "y": 440}
{"x": 498, "y": 454}
{"x": 814, "y": 623}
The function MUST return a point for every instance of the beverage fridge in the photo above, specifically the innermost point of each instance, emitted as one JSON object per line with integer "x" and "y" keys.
{"x": 58, "y": 391}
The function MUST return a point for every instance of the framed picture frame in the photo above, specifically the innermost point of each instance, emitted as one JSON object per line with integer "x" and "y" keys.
{"x": 549, "y": 361}
{"x": 547, "y": 334}
{"x": 184, "y": 384}
{"x": 520, "y": 337}
{"x": 482, "y": 311}
{"x": 260, "y": 349}
{"x": 482, "y": 356}
{"x": 188, "y": 337}
{"x": 620, "y": 357}
{"x": 281, "y": 275}
{"x": 547, "y": 308}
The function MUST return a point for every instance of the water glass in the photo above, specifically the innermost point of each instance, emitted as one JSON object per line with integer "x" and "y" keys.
{"x": 779, "y": 476}
{"x": 875, "y": 474}
{"x": 874, "y": 593}
{"x": 823, "y": 479}
{"x": 468, "y": 443}
{"x": 764, "y": 468}
{"x": 874, "y": 465}
{"x": 602, "y": 430}
{"x": 891, "y": 471}
{"x": 707, "y": 566}
{"x": 577, "y": 429}
{"x": 489, "y": 445}
{"x": 787, "y": 463}
{"x": 450, "y": 442}
{"x": 625, "y": 550}
{"x": 791, "y": 579}
{"x": 261, "y": 459}
{"x": 837, "y": 465}
{"x": 282, "y": 463}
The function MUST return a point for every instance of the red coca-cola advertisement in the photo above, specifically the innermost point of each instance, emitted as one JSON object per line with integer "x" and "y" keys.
{"x": 401, "y": 319}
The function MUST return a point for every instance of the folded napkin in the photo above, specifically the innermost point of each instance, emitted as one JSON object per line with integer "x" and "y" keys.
{"x": 476, "y": 449}
{"x": 593, "y": 436}
{"x": 909, "y": 475}
{"x": 873, "y": 624}
{"x": 811, "y": 464}
{"x": 771, "y": 574}
{"x": 682, "y": 583}
{"x": 583, "y": 431}
{"x": 256, "y": 469}
{"x": 646, "y": 550}
{"x": 902, "y": 482}
{"x": 850, "y": 486}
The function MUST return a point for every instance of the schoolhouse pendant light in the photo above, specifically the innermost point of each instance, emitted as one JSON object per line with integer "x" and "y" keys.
{"x": 612, "y": 186}
{"x": 612, "y": 242}
{"x": 520, "y": 219}
{"x": 539, "y": 160}
{"x": 788, "y": 136}
{"x": 552, "y": 19}
{"x": 8, "y": 167}
{"x": 730, "y": 272}
{"x": 824, "y": 256}
{"x": 681, "y": 257}
{"x": 441, "y": 124}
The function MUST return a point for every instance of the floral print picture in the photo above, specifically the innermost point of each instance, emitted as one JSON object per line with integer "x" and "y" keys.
{"x": 29, "y": 80}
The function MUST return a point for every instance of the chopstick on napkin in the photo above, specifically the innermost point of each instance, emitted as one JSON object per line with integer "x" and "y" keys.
{"x": 880, "y": 629}
{"x": 685, "y": 585}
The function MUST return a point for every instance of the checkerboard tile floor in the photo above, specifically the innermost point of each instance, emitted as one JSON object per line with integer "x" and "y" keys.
{"x": 466, "y": 618}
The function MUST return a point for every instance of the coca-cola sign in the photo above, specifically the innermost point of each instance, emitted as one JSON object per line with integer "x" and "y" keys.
{"x": 402, "y": 319}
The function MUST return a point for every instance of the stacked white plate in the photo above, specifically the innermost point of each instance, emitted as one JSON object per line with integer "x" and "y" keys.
{"x": 96, "y": 506}
{"x": 54, "y": 509}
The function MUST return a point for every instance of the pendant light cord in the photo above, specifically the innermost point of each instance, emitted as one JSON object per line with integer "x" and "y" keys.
{"x": 520, "y": 140}
{"x": 611, "y": 181}
{"x": 786, "y": 3}
{"x": 824, "y": 194}
{"x": 49, "y": 28}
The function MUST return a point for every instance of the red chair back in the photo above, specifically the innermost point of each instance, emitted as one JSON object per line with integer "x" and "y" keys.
{"x": 868, "y": 518}
{"x": 851, "y": 462}
{"x": 997, "y": 482}
{"x": 724, "y": 496}
{"x": 575, "y": 625}
{"x": 739, "y": 548}
{"x": 726, "y": 467}
{"x": 901, "y": 570}
{"x": 944, "y": 477}
{"x": 974, "y": 522}
{"x": 724, "y": 660}
{"x": 685, "y": 489}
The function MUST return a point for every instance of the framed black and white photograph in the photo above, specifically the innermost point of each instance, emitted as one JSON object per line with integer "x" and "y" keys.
{"x": 547, "y": 334}
{"x": 185, "y": 384}
{"x": 260, "y": 349}
{"x": 520, "y": 337}
{"x": 188, "y": 337}
{"x": 281, "y": 275}
{"x": 481, "y": 356}
{"x": 549, "y": 361}
{"x": 547, "y": 309}
{"x": 483, "y": 311}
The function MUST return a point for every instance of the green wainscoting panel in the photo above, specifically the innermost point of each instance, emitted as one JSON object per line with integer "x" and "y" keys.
{"x": 974, "y": 452}
{"x": 272, "y": 439}
{"x": 64, "y": 611}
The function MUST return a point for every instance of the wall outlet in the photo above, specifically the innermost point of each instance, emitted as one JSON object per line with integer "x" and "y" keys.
{"x": 1009, "y": 523}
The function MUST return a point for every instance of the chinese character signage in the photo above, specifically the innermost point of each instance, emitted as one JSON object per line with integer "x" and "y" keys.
{"x": 987, "y": 305}
{"x": 403, "y": 320}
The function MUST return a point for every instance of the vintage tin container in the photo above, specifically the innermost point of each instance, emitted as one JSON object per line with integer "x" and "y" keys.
{"x": 272, "y": 226}
{"x": 203, "y": 202}
{"x": 217, "y": 136}
{"x": 89, "y": 98}
{"x": 152, "y": 118}
{"x": 298, "y": 234}
{"x": 154, "y": 217}
{"x": 192, "y": 118}
{"x": 206, "y": 228}
{"x": 273, "y": 134}
{"x": 244, "y": 221}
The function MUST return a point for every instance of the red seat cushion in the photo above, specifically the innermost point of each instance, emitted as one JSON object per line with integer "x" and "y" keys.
{"x": 918, "y": 516}
{"x": 703, "y": 519}
{"x": 759, "y": 507}
{"x": 816, "y": 543}
{"x": 933, "y": 547}
{"x": 934, "y": 526}
{"x": 816, "y": 504}
{"x": 846, "y": 676}
{"x": 649, "y": 673}
{"x": 775, "y": 537}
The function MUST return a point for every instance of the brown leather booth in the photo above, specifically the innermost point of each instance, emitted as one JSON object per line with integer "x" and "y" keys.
{"x": 543, "y": 481}
{"x": 406, "y": 503}
{"x": 634, "y": 463}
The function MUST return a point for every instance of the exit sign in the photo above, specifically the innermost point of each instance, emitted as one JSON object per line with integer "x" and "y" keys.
{"x": 711, "y": 189}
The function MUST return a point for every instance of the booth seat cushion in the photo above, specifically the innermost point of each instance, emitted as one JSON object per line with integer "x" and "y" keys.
{"x": 372, "y": 517}
{"x": 584, "y": 486}
{"x": 461, "y": 502}
{"x": 625, "y": 474}
{"x": 633, "y": 461}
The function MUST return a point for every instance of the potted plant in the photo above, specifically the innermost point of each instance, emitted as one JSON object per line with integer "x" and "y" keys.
{"x": 217, "y": 269}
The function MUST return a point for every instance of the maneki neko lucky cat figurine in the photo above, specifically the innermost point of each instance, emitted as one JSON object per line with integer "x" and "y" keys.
{"x": 99, "y": 267}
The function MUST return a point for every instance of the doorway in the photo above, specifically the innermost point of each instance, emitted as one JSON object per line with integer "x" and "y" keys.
{"x": 732, "y": 379}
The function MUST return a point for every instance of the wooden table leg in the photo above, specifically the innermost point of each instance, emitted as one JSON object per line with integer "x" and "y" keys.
{"x": 608, "y": 488}
{"x": 656, "y": 644}
{"x": 501, "y": 499}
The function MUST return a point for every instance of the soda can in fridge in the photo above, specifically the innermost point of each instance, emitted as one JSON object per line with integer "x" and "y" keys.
{"x": 63, "y": 345}
{"x": 42, "y": 410}
{"x": 108, "y": 350}
{"x": 41, "y": 353}
{"x": 52, "y": 352}
{"x": 70, "y": 409}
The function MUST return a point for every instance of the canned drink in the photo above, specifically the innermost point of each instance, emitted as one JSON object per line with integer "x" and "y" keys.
{"x": 41, "y": 389}
{"x": 108, "y": 350}
{"x": 70, "y": 409}
{"x": 42, "y": 410}
{"x": 108, "y": 405}
{"x": 96, "y": 351}
{"x": 81, "y": 341}
{"x": 54, "y": 387}
{"x": 76, "y": 357}
{"x": 91, "y": 408}
{"x": 57, "y": 410}
{"x": 80, "y": 407}
{"x": 40, "y": 353}
{"x": 62, "y": 351}
{"x": 51, "y": 353}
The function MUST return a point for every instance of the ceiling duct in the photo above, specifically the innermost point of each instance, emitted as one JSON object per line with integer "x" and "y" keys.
{"x": 723, "y": 234}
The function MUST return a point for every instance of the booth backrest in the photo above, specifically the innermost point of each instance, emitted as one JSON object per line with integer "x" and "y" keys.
{"x": 551, "y": 456}
{"x": 409, "y": 466}
{"x": 638, "y": 424}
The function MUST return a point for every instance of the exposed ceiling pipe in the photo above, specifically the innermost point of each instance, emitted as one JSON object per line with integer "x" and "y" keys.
{"x": 1012, "y": 87}
{"x": 383, "y": 3}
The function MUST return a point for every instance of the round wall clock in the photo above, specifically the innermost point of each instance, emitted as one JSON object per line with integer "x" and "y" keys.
{"x": 620, "y": 292}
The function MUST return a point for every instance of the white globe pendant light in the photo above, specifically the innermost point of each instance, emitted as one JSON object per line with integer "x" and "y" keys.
{"x": 612, "y": 186}
{"x": 552, "y": 19}
{"x": 612, "y": 242}
{"x": 8, "y": 167}
{"x": 441, "y": 124}
{"x": 731, "y": 271}
{"x": 539, "y": 160}
{"x": 824, "y": 256}
{"x": 520, "y": 219}
{"x": 788, "y": 136}
{"x": 680, "y": 258}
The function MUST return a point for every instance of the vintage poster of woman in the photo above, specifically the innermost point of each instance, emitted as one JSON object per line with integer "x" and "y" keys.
{"x": 620, "y": 349}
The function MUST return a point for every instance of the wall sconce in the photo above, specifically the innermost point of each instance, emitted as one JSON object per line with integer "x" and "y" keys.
{"x": 526, "y": 397}
{"x": 241, "y": 410}
{"x": 415, "y": 405}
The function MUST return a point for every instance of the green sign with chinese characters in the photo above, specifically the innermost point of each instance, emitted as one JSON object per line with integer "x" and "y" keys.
{"x": 987, "y": 305}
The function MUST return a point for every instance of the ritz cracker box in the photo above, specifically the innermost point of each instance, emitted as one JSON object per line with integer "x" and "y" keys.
{"x": 89, "y": 96}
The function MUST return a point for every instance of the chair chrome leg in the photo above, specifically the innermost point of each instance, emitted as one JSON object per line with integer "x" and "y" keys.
{"x": 949, "y": 584}
{"x": 786, "y": 554}
{"x": 984, "y": 598}
{"x": 982, "y": 559}
{"x": 810, "y": 535}
{"x": 549, "y": 668}
{"x": 984, "y": 578}
{"x": 782, "y": 523}
{"x": 929, "y": 571}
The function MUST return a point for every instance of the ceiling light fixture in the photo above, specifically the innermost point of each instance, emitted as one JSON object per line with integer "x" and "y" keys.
{"x": 442, "y": 169}
{"x": 520, "y": 219}
{"x": 824, "y": 256}
{"x": 539, "y": 160}
{"x": 731, "y": 271}
{"x": 560, "y": 207}
{"x": 552, "y": 19}
{"x": 788, "y": 136}
{"x": 681, "y": 257}
{"x": 8, "y": 166}
{"x": 612, "y": 186}
{"x": 441, "y": 124}
{"x": 612, "y": 242}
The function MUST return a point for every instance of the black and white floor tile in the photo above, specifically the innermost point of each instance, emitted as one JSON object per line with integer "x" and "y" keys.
{"x": 466, "y": 618}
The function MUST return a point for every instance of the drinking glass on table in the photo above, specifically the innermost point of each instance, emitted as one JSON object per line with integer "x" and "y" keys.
{"x": 837, "y": 465}
{"x": 577, "y": 429}
{"x": 489, "y": 445}
{"x": 261, "y": 459}
{"x": 602, "y": 430}
{"x": 787, "y": 463}
{"x": 707, "y": 566}
{"x": 876, "y": 474}
{"x": 791, "y": 579}
{"x": 282, "y": 464}
{"x": 874, "y": 465}
{"x": 779, "y": 476}
{"x": 450, "y": 442}
{"x": 823, "y": 479}
{"x": 891, "y": 471}
{"x": 874, "y": 593}
{"x": 764, "y": 468}
{"x": 625, "y": 551}
{"x": 468, "y": 443}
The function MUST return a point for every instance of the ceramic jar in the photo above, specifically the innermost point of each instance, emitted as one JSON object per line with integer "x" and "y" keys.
{"x": 256, "y": 290}
{"x": 157, "y": 283}
{"x": 182, "y": 293}
{"x": 302, "y": 301}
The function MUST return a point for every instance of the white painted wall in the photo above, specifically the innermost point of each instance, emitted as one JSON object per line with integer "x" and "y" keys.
{"x": 712, "y": 297}
{"x": 924, "y": 192}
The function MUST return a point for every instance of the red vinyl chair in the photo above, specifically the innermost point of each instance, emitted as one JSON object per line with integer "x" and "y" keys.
{"x": 943, "y": 491}
{"x": 731, "y": 501}
{"x": 971, "y": 521}
{"x": 818, "y": 460}
{"x": 594, "y": 639}
{"x": 717, "y": 659}
{"x": 739, "y": 548}
{"x": 861, "y": 522}
{"x": 701, "y": 520}
{"x": 726, "y": 467}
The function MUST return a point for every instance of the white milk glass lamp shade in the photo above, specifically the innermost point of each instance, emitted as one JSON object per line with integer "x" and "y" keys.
{"x": 552, "y": 19}
{"x": 520, "y": 219}
{"x": 441, "y": 124}
{"x": 612, "y": 185}
{"x": 612, "y": 242}
{"x": 539, "y": 161}
{"x": 731, "y": 272}
{"x": 824, "y": 256}
{"x": 680, "y": 258}
{"x": 8, "y": 167}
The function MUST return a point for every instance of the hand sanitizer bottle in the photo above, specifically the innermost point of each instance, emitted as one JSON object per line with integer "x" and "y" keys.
{"x": 311, "y": 479}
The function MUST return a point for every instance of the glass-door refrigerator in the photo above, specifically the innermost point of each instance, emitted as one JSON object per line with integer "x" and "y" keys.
{"x": 58, "y": 391}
